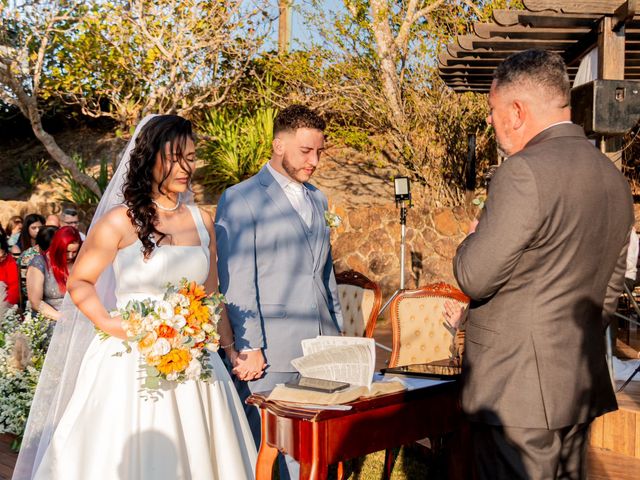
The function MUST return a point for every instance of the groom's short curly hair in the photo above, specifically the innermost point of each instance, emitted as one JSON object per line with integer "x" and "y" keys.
{"x": 297, "y": 116}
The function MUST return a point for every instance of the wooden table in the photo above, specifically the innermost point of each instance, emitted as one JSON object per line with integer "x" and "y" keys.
{"x": 319, "y": 438}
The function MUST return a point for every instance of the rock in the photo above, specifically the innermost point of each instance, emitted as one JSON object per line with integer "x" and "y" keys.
{"x": 378, "y": 241}
{"x": 446, "y": 223}
{"x": 346, "y": 244}
{"x": 446, "y": 248}
{"x": 462, "y": 214}
{"x": 359, "y": 219}
{"x": 379, "y": 262}
{"x": 355, "y": 262}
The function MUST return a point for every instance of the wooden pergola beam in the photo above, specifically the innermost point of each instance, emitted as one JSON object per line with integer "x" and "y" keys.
{"x": 601, "y": 7}
{"x": 571, "y": 28}
{"x": 509, "y": 18}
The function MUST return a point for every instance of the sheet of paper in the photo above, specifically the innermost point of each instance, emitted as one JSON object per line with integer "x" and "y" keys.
{"x": 351, "y": 363}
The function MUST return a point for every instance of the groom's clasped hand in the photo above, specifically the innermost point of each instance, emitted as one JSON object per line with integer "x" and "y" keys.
{"x": 248, "y": 365}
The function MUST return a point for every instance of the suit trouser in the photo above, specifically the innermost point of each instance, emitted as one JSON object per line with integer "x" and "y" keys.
{"x": 289, "y": 468}
{"x": 511, "y": 453}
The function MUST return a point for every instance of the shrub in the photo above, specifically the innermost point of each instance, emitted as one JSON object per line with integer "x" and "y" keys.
{"x": 235, "y": 146}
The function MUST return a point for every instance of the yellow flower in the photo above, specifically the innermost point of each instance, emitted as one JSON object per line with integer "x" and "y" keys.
{"x": 146, "y": 344}
{"x": 154, "y": 360}
{"x": 198, "y": 314}
{"x": 174, "y": 361}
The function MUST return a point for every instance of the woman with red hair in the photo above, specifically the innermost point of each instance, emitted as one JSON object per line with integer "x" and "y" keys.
{"x": 47, "y": 274}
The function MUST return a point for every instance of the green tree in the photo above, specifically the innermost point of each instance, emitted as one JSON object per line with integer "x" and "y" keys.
{"x": 129, "y": 58}
{"x": 29, "y": 33}
{"x": 375, "y": 69}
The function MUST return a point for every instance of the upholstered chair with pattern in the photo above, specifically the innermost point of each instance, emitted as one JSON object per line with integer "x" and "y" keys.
{"x": 360, "y": 300}
{"x": 421, "y": 333}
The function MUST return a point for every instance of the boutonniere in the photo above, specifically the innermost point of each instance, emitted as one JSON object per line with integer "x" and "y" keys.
{"x": 479, "y": 201}
{"x": 333, "y": 220}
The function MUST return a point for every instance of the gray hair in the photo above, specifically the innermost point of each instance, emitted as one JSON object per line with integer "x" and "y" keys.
{"x": 539, "y": 68}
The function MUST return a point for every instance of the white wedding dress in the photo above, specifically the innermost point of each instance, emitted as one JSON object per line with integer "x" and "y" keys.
{"x": 194, "y": 430}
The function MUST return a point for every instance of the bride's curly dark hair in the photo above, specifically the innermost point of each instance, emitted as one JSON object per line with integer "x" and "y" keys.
{"x": 138, "y": 186}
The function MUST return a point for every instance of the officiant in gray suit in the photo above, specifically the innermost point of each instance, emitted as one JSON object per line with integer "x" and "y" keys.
{"x": 274, "y": 260}
{"x": 546, "y": 259}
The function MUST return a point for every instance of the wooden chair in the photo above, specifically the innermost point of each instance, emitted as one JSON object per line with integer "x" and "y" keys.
{"x": 420, "y": 332}
{"x": 360, "y": 299}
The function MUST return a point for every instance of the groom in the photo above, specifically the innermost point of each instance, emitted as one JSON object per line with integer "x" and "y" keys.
{"x": 274, "y": 260}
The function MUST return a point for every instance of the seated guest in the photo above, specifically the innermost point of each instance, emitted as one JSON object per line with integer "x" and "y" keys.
{"x": 9, "y": 273}
{"x": 52, "y": 220}
{"x": 27, "y": 239}
{"x": 47, "y": 274}
{"x": 70, "y": 218}
{"x": 43, "y": 240}
{"x": 13, "y": 229}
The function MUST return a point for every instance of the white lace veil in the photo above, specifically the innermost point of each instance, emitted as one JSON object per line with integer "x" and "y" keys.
{"x": 71, "y": 337}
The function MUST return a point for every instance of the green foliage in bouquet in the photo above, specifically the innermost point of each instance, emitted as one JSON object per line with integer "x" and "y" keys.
{"x": 24, "y": 340}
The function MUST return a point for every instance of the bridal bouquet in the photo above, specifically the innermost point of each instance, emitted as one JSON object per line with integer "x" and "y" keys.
{"x": 174, "y": 335}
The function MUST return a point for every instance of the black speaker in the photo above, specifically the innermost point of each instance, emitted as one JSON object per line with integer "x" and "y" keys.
{"x": 606, "y": 107}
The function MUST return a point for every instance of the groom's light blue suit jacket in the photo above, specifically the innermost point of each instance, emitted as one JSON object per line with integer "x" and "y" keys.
{"x": 276, "y": 273}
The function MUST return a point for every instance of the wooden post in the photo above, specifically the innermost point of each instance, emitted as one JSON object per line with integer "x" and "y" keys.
{"x": 284, "y": 26}
{"x": 611, "y": 67}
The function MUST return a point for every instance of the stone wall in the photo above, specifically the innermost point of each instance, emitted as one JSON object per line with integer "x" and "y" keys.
{"x": 368, "y": 241}
{"x": 9, "y": 208}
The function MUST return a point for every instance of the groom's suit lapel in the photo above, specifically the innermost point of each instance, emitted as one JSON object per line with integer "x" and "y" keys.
{"x": 281, "y": 201}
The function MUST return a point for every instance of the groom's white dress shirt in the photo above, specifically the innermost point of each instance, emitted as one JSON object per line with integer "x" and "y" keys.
{"x": 296, "y": 193}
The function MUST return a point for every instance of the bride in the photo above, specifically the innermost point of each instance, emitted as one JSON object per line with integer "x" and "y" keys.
{"x": 88, "y": 418}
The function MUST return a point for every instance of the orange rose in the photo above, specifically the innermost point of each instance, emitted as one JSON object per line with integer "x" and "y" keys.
{"x": 165, "y": 331}
{"x": 174, "y": 361}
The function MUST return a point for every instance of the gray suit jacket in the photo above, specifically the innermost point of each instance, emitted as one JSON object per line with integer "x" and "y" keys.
{"x": 548, "y": 254}
{"x": 276, "y": 273}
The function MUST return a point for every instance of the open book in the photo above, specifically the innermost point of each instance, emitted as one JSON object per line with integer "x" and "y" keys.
{"x": 343, "y": 359}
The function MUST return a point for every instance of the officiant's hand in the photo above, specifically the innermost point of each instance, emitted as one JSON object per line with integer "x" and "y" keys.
{"x": 249, "y": 365}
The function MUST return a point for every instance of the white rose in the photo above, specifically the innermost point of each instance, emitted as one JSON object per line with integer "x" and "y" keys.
{"x": 172, "y": 298}
{"x": 195, "y": 353}
{"x": 200, "y": 336}
{"x": 212, "y": 347}
{"x": 161, "y": 347}
{"x": 194, "y": 370}
{"x": 179, "y": 321}
{"x": 207, "y": 327}
{"x": 183, "y": 301}
{"x": 163, "y": 309}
